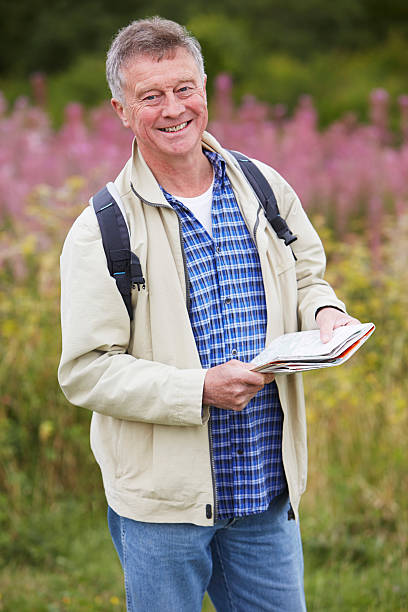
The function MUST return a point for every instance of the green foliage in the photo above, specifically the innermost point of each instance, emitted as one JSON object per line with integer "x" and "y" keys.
{"x": 338, "y": 81}
{"x": 51, "y": 36}
{"x": 82, "y": 82}
{"x": 44, "y": 448}
{"x": 356, "y": 507}
{"x": 226, "y": 44}
{"x": 274, "y": 49}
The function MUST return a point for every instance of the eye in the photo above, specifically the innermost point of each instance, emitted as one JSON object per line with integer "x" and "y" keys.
{"x": 184, "y": 91}
{"x": 151, "y": 99}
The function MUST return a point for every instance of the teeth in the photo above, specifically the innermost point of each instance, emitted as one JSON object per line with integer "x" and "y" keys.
{"x": 175, "y": 128}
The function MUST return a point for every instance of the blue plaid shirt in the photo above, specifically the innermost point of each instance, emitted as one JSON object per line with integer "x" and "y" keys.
{"x": 228, "y": 317}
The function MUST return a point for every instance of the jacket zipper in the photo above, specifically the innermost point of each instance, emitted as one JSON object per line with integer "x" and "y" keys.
{"x": 186, "y": 275}
{"x": 210, "y": 441}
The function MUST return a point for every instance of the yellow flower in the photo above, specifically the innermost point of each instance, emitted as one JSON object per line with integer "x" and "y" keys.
{"x": 46, "y": 430}
{"x": 9, "y": 328}
{"x": 28, "y": 245}
{"x": 75, "y": 182}
{"x": 114, "y": 600}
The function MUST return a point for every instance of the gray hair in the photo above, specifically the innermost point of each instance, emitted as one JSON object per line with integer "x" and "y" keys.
{"x": 155, "y": 37}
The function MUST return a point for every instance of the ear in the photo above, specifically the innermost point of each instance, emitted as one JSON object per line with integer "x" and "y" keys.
{"x": 120, "y": 111}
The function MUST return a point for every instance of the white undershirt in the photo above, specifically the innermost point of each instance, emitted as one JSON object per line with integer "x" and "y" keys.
{"x": 200, "y": 206}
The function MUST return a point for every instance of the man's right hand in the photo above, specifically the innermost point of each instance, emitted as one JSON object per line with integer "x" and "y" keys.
{"x": 232, "y": 385}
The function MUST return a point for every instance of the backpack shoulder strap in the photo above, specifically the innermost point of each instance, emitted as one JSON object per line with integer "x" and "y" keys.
{"x": 266, "y": 197}
{"x": 123, "y": 265}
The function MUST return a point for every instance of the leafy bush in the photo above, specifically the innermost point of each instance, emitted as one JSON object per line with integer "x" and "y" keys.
{"x": 44, "y": 448}
{"x": 357, "y": 413}
{"x": 60, "y": 32}
{"x": 355, "y": 509}
{"x": 339, "y": 80}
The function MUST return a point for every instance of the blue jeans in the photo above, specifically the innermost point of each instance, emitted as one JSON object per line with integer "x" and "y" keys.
{"x": 250, "y": 564}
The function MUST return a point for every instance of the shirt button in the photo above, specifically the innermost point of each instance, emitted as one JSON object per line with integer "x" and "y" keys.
{"x": 218, "y": 250}
{"x": 240, "y": 451}
{"x": 234, "y": 352}
{"x": 227, "y": 301}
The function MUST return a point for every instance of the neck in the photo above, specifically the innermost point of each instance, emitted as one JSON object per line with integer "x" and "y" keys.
{"x": 187, "y": 177}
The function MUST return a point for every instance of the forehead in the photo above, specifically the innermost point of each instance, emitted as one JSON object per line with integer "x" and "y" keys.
{"x": 145, "y": 72}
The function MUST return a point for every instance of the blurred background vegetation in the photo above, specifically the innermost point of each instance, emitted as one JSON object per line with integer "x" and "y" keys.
{"x": 273, "y": 49}
{"x": 55, "y": 550}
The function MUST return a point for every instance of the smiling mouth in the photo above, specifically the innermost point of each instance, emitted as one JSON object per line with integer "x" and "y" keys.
{"x": 175, "y": 128}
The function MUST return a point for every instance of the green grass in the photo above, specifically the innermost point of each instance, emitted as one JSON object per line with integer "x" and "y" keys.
{"x": 64, "y": 560}
{"x": 351, "y": 567}
{"x": 349, "y": 588}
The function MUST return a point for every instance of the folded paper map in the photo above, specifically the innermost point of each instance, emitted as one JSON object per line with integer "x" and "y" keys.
{"x": 302, "y": 351}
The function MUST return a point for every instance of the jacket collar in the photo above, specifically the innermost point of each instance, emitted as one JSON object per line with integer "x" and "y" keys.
{"x": 145, "y": 186}
{"x": 143, "y": 182}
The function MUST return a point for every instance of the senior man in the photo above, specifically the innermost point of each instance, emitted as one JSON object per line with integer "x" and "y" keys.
{"x": 203, "y": 460}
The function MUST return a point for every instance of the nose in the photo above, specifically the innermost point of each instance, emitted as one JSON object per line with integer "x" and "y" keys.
{"x": 172, "y": 107}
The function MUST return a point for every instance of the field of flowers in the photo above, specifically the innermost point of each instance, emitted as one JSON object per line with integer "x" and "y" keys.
{"x": 352, "y": 179}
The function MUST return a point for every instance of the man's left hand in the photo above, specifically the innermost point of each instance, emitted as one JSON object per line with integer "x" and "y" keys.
{"x": 328, "y": 319}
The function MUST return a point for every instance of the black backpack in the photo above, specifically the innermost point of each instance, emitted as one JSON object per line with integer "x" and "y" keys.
{"x": 125, "y": 266}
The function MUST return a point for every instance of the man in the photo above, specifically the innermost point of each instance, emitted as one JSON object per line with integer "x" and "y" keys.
{"x": 203, "y": 460}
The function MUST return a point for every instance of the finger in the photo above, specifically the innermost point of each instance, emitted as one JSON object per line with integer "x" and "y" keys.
{"x": 253, "y": 376}
{"x": 326, "y": 330}
{"x": 353, "y": 321}
{"x": 255, "y": 379}
{"x": 345, "y": 321}
{"x": 268, "y": 377}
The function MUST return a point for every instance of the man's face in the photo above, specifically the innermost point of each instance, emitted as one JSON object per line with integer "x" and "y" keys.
{"x": 165, "y": 105}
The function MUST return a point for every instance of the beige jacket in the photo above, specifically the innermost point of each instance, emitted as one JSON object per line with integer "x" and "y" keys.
{"x": 143, "y": 380}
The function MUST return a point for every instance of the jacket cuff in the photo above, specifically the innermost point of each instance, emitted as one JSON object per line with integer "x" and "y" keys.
{"x": 190, "y": 409}
{"x": 328, "y": 306}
